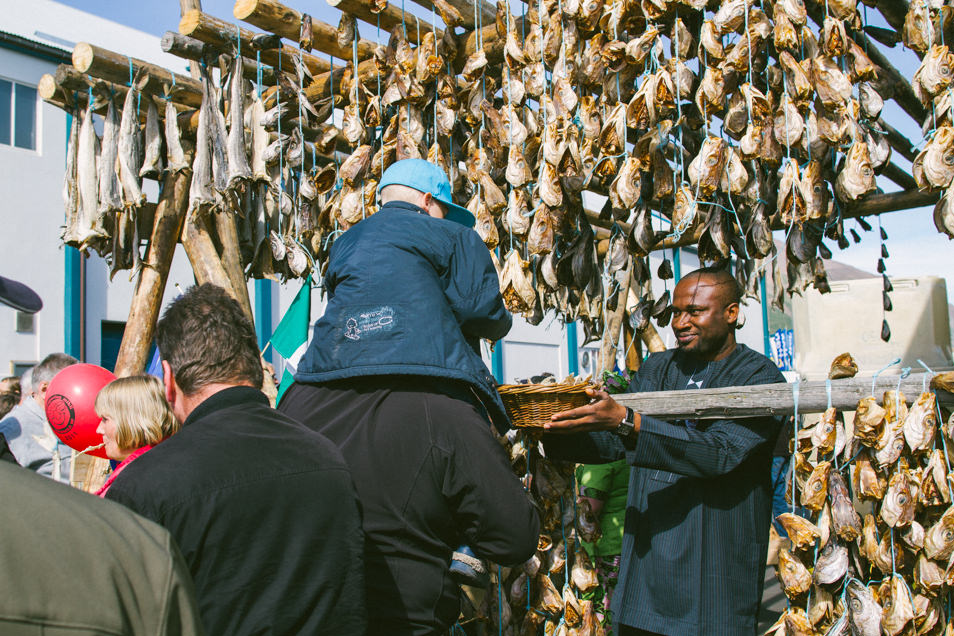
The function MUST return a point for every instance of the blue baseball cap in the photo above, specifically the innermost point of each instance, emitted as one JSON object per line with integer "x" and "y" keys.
{"x": 424, "y": 176}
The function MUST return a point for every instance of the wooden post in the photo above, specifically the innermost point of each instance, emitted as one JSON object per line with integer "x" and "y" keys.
{"x": 488, "y": 12}
{"x": 634, "y": 347}
{"x": 222, "y": 36}
{"x": 273, "y": 16}
{"x": 613, "y": 321}
{"x": 114, "y": 67}
{"x": 144, "y": 312}
{"x": 231, "y": 259}
{"x": 202, "y": 254}
{"x": 651, "y": 338}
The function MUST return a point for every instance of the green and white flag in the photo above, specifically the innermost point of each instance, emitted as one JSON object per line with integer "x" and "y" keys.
{"x": 291, "y": 336}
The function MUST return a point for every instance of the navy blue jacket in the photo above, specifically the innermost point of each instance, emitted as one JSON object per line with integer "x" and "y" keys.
{"x": 409, "y": 294}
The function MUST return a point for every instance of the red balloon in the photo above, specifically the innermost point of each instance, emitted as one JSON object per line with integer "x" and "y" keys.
{"x": 69, "y": 405}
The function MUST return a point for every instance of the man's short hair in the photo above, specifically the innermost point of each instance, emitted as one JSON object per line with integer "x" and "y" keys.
{"x": 207, "y": 339}
{"x": 50, "y": 366}
{"x": 722, "y": 277}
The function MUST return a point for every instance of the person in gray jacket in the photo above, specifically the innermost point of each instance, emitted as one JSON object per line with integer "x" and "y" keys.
{"x": 27, "y": 430}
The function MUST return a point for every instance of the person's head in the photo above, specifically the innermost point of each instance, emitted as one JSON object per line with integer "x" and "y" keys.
{"x": 44, "y": 373}
{"x": 26, "y": 384}
{"x": 206, "y": 344}
{"x": 423, "y": 200}
{"x": 424, "y": 184}
{"x": 705, "y": 313}
{"x": 9, "y": 394}
{"x": 134, "y": 414}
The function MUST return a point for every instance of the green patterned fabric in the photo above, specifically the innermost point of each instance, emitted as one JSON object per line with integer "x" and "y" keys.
{"x": 609, "y": 482}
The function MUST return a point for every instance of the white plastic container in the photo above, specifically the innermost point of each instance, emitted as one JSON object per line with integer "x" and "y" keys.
{"x": 849, "y": 319}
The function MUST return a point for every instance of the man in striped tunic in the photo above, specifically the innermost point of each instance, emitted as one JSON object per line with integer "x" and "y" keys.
{"x": 699, "y": 505}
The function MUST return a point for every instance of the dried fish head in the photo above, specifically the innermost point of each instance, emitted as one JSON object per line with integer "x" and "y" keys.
{"x": 792, "y": 574}
{"x": 625, "y": 190}
{"x": 897, "y": 509}
{"x": 898, "y": 611}
{"x": 857, "y": 177}
{"x": 843, "y": 366}
{"x": 832, "y": 86}
{"x": 791, "y": 200}
{"x": 711, "y": 41}
{"x": 918, "y": 30}
{"x": 637, "y": 50}
{"x": 863, "y": 610}
{"x": 705, "y": 171}
{"x": 939, "y": 538}
{"x": 846, "y": 522}
{"x": 834, "y": 39}
{"x": 816, "y": 488}
{"x": 730, "y": 16}
{"x": 800, "y": 530}
{"x": 832, "y": 563}
{"x": 711, "y": 94}
{"x": 541, "y": 237}
{"x": 516, "y": 284}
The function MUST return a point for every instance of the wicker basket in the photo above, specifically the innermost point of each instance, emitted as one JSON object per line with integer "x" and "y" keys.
{"x": 531, "y": 405}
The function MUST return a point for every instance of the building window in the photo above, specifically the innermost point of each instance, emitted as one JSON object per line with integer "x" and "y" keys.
{"x": 25, "y": 322}
{"x": 18, "y": 108}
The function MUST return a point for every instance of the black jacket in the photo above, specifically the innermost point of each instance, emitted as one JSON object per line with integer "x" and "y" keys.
{"x": 409, "y": 294}
{"x": 264, "y": 513}
{"x": 430, "y": 477}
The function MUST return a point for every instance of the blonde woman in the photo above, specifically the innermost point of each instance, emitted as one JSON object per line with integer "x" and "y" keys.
{"x": 135, "y": 417}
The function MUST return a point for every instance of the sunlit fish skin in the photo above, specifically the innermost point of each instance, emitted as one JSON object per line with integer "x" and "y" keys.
{"x": 863, "y": 611}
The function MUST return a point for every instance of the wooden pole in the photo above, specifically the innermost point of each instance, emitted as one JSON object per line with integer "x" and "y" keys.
{"x": 488, "y": 12}
{"x": 224, "y": 36}
{"x": 652, "y": 339}
{"x": 634, "y": 349}
{"x": 115, "y": 67}
{"x": 391, "y": 17}
{"x": 273, "y": 16}
{"x": 192, "y": 49}
{"x": 231, "y": 259}
{"x": 50, "y": 90}
{"x": 147, "y": 299}
{"x": 769, "y": 399}
{"x": 613, "y": 321}
{"x": 201, "y": 251}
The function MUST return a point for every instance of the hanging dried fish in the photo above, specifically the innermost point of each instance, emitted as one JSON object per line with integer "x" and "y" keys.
{"x": 152, "y": 163}
{"x": 130, "y": 148}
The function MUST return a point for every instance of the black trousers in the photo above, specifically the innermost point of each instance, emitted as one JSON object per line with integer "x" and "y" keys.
{"x": 624, "y": 630}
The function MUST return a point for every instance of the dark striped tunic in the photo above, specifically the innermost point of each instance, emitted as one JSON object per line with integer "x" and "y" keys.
{"x": 699, "y": 504}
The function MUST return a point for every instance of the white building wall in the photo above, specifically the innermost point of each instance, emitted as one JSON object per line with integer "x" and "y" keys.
{"x": 32, "y": 213}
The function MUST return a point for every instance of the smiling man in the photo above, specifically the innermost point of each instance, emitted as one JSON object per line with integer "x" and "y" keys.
{"x": 699, "y": 505}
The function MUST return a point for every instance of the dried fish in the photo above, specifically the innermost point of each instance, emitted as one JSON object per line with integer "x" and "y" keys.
{"x": 152, "y": 162}
{"x": 239, "y": 170}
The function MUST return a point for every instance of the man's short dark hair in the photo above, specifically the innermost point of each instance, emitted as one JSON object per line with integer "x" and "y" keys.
{"x": 722, "y": 277}
{"x": 207, "y": 339}
{"x": 50, "y": 366}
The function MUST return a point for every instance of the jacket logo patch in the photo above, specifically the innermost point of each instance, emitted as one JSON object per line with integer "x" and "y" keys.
{"x": 369, "y": 323}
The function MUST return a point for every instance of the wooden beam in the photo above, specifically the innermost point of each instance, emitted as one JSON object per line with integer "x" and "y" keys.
{"x": 889, "y": 202}
{"x": 115, "y": 67}
{"x": 222, "y": 36}
{"x": 192, "y": 49}
{"x": 768, "y": 399}
{"x": 391, "y": 17}
{"x": 488, "y": 12}
{"x": 273, "y": 16}
{"x": 894, "y": 12}
{"x": 899, "y": 176}
{"x": 147, "y": 298}
{"x": 898, "y": 141}
{"x": 62, "y": 96}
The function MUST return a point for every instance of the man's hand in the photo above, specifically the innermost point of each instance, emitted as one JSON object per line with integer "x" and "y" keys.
{"x": 602, "y": 414}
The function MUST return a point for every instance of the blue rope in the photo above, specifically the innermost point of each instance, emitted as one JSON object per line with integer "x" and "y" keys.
{"x": 796, "y": 386}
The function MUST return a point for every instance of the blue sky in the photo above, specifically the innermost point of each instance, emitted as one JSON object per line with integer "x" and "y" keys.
{"x": 916, "y": 248}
